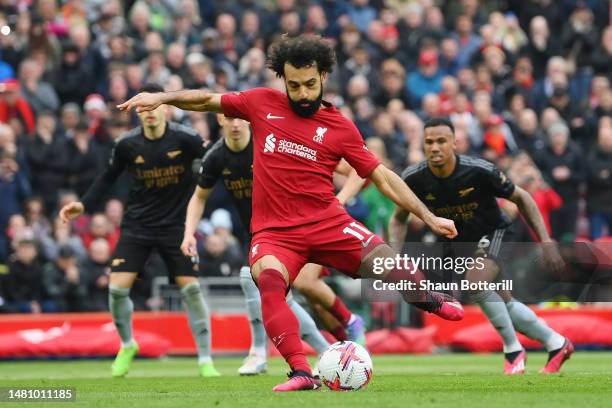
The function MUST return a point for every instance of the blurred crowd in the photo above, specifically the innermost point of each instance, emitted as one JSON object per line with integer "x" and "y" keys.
{"x": 526, "y": 83}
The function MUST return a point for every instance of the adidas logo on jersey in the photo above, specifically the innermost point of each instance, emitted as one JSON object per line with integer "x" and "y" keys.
{"x": 226, "y": 172}
{"x": 139, "y": 159}
{"x": 270, "y": 145}
{"x": 465, "y": 192}
{"x": 174, "y": 153}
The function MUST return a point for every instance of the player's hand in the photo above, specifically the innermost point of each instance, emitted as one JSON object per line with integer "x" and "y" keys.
{"x": 143, "y": 102}
{"x": 552, "y": 257}
{"x": 188, "y": 246}
{"x": 443, "y": 226}
{"x": 71, "y": 210}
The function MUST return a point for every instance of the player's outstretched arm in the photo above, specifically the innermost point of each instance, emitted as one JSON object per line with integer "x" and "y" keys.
{"x": 391, "y": 185}
{"x": 195, "y": 209}
{"x": 189, "y": 99}
{"x": 529, "y": 209}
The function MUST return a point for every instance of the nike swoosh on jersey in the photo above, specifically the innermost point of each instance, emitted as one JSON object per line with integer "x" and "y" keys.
{"x": 271, "y": 116}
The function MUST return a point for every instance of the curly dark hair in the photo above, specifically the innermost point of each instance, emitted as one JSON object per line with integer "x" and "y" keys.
{"x": 301, "y": 51}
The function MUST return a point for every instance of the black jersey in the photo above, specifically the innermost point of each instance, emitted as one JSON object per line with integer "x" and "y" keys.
{"x": 160, "y": 172}
{"x": 467, "y": 196}
{"x": 236, "y": 170}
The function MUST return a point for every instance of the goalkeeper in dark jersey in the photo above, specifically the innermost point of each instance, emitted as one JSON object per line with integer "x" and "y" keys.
{"x": 466, "y": 189}
{"x": 158, "y": 157}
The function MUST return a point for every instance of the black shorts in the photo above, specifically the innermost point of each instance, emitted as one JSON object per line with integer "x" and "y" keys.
{"x": 135, "y": 247}
{"x": 494, "y": 246}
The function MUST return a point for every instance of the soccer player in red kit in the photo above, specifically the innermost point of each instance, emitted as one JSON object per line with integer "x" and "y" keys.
{"x": 298, "y": 141}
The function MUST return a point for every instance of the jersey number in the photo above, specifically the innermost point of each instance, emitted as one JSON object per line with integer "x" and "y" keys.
{"x": 365, "y": 238}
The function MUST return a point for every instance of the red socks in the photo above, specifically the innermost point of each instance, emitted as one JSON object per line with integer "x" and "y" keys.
{"x": 339, "y": 333}
{"x": 281, "y": 324}
{"x": 340, "y": 311}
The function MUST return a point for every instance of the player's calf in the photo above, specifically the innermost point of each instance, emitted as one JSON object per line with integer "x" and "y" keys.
{"x": 281, "y": 324}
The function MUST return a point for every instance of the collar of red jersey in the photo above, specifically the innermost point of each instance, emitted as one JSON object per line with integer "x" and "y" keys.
{"x": 328, "y": 105}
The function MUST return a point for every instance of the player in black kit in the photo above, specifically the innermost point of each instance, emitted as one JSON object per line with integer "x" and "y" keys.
{"x": 465, "y": 189}
{"x": 158, "y": 157}
{"x": 231, "y": 159}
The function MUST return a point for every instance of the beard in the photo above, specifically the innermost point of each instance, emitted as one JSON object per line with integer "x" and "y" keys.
{"x": 306, "y": 111}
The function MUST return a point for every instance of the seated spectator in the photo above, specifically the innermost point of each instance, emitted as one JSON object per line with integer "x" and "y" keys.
{"x": 427, "y": 78}
{"x": 14, "y": 189}
{"x": 448, "y": 93}
{"x": 563, "y": 164}
{"x": 541, "y": 46}
{"x": 599, "y": 182}
{"x": 61, "y": 236}
{"x": 100, "y": 227}
{"x": 430, "y": 106}
{"x": 393, "y": 84}
{"x": 36, "y": 219}
{"x": 16, "y": 231}
{"x": 530, "y": 136}
{"x": 69, "y": 119}
{"x": 85, "y": 160}
{"x": 25, "y": 291}
{"x": 40, "y": 94}
{"x": 252, "y": 67}
{"x": 72, "y": 79}
{"x": 14, "y": 109}
{"x": 488, "y": 130}
{"x": 217, "y": 259}
{"x": 525, "y": 174}
{"x": 114, "y": 212}
{"x": 468, "y": 42}
{"x": 47, "y": 159}
{"x": 63, "y": 283}
{"x": 602, "y": 57}
{"x": 95, "y": 270}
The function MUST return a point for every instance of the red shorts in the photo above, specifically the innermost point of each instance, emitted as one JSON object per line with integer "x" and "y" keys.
{"x": 339, "y": 242}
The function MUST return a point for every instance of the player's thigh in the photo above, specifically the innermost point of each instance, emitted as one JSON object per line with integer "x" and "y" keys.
{"x": 269, "y": 262}
{"x": 343, "y": 245}
{"x": 278, "y": 250}
{"x": 122, "y": 279}
{"x": 179, "y": 265}
{"x": 494, "y": 252}
{"x": 129, "y": 258}
{"x": 307, "y": 277}
{"x": 488, "y": 273}
{"x": 183, "y": 281}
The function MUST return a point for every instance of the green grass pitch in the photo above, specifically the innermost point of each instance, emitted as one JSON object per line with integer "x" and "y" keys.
{"x": 445, "y": 380}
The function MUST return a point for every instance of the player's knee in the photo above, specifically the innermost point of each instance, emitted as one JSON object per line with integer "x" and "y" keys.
{"x": 304, "y": 287}
{"x": 190, "y": 290}
{"x": 272, "y": 287}
{"x": 270, "y": 281}
{"x": 481, "y": 296}
{"x": 245, "y": 277}
{"x": 117, "y": 292}
{"x": 373, "y": 265}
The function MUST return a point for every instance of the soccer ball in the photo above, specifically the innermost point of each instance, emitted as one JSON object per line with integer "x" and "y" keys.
{"x": 345, "y": 366}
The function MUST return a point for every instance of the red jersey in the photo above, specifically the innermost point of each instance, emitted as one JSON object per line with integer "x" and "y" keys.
{"x": 294, "y": 157}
